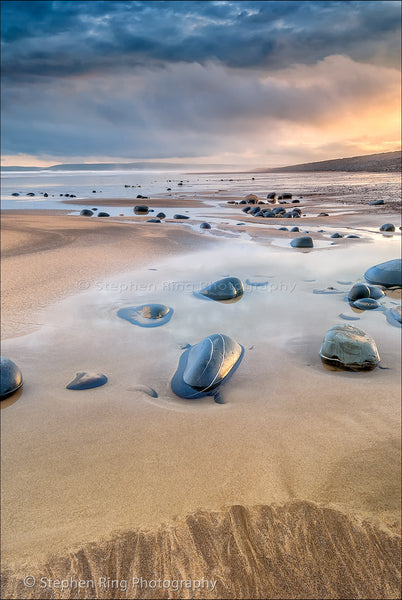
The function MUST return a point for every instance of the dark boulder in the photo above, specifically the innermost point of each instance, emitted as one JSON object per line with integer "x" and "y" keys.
{"x": 387, "y": 274}
{"x": 302, "y": 242}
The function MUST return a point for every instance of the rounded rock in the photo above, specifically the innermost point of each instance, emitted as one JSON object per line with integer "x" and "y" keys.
{"x": 86, "y": 212}
{"x": 10, "y": 378}
{"x": 349, "y": 348}
{"x": 366, "y": 304}
{"x": 87, "y": 381}
{"x": 146, "y": 315}
{"x": 229, "y": 289}
{"x": 141, "y": 209}
{"x": 387, "y": 227}
{"x": 388, "y": 274}
{"x": 205, "y": 226}
{"x": 206, "y": 366}
{"x": 361, "y": 290}
{"x": 302, "y": 242}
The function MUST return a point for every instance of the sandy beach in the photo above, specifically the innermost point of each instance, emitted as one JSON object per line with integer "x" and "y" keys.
{"x": 288, "y": 490}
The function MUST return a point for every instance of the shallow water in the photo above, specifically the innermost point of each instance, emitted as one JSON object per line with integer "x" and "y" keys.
{"x": 92, "y": 462}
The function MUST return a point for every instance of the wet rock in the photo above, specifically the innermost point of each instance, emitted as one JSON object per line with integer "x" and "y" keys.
{"x": 361, "y": 290}
{"x": 295, "y": 201}
{"x": 295, "y": 229}
{"x": 229, "y": 289}
{"x": 246, "y": 210}
{"x": 283, "y": 229}
{"x": 15, "y": 194}
{"x": 205, "y": 226}
{"x": 103, "y": 214}
{"x": 141, "y": 209}
{"x": 349, "y": 317}
{"x": 323, "y": 214}
{"x": 302, "y": 242}
{"x": 141, "y": 196}
{"x": 349, "y": 348}
{"x": 154, "y": 221}
{"x": 366, "y": 304}
{"x": 376, "y": 203}
{"x": 269, "y": 214}
{"x": 242, "y": 202}
{"x": 87, "y": 381}
{"x": 206, "y": 366}
{"x": 387, "y": 274}
{"x": 278, "y": 210}
{"x": 286, "y": 196}
{"x": 10, "y": 378}
{"x": 336, "y": 235}
{"x": 353, "y": 236}
{"x": 94, "y": 191}
{"x": 161, "y": 215}
{"x": 146, "y": 315}
{"x": 30, "y": 194}
{"x": 387, "y": 227}
{"x": 271, "y": 196}
{"x": 86, "y": 212}
{"x": 180, "y": 217}
{"x": 45, "y": 195}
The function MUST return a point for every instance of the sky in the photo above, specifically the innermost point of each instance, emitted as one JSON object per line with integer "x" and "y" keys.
{"x": 252, "y": 84}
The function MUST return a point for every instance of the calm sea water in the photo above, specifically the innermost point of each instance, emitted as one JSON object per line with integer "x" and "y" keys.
{"x": 111, "y": 184}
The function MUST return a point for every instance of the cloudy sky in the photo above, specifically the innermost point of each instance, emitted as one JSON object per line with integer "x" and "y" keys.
{"x": 240, "y": 83}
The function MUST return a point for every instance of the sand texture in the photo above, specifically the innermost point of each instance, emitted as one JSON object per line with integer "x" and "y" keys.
{"x": 297, "y": 550}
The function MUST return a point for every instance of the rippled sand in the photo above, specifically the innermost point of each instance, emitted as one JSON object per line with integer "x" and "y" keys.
{"x": 296, "y": 550}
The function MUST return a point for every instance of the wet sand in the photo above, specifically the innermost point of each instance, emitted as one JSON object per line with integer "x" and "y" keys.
{"x": 46, "y": 257}
{"x": 290, "y": 489}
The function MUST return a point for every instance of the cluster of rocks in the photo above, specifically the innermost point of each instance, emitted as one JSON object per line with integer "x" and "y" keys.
{"x": 277, "y": 212}
{"x": 86, "y": 212}
{"x": 44, "y": 194}
{"x": 351, "y": 348}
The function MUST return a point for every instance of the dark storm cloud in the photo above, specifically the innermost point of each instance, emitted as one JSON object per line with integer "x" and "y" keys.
{"x": 189, "y": 79}
{"x": 65, "y": 38}
{"x": 186, "y": 109}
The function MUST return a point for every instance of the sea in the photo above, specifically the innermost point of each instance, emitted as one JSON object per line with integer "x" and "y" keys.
{"x": 60, "y": 185}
